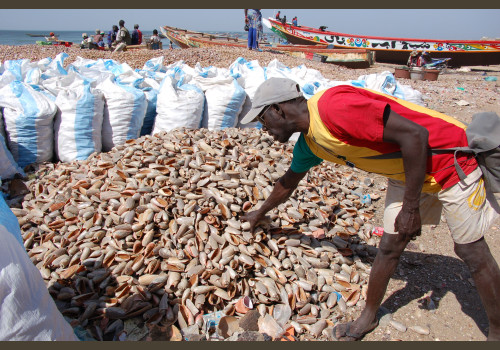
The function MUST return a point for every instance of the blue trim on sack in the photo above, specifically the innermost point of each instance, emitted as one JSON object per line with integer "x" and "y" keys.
{"x": 41, "y": 90}
{"x": 9, "y": 220}
{"x": 237, "y": 100}
{"x": 15, "y": 67}
{"x": 358, "y": 83}
{"x": 84, "y": 117}
{"x": 138, "y": 111}
{"x": 27, "y": 136}
{"x": 60, "y": 69}
{"x": 9, "y": 156}
{"x": 149, "y": 119}
{"x": 191, "y": 87}
{"x": 30, "y": 75}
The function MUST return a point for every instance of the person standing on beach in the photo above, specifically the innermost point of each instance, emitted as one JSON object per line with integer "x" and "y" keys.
{"x": 112, "y": 36}
{"x": 253, "y": 18}
{"x": 378, "y": 133}
{"x": 155, "y": 40}
{"x": 123, "y": 37}
{"x": 136, "y": 35}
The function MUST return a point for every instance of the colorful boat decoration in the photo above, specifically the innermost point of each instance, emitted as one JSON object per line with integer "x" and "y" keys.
{"x": 392, "y": 50}
{"x": 354, "y": 58}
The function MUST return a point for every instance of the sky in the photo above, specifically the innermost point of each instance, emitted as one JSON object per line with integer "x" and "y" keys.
{"x": 417, "y": 23}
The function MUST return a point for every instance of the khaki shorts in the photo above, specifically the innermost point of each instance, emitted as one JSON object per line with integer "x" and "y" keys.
{"x": 468, "y": 208}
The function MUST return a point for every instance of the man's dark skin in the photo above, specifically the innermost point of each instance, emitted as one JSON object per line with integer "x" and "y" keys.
{"x": 283, "y": 119}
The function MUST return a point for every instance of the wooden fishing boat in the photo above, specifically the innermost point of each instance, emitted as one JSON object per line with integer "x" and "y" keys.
{"x": 178, "y": 36}
{"x": 37, "y": 35}
{"x": 352, "y": 58}
{"x": 392, "y": 50}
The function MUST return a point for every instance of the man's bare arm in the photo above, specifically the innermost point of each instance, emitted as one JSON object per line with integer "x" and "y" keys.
{"x": 413, "y": 141}
{"x": 282, "y": 191}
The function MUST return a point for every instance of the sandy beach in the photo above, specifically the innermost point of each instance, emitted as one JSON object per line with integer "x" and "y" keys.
{"x": 431, "y": 287}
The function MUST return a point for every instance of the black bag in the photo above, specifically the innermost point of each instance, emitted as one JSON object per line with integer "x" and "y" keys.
{"x": 246, "y": 28}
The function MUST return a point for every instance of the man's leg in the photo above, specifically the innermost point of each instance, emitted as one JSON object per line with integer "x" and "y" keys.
{"x": 390, "y": 249}
{"x": 120, "y": 47}
{"x": 486, "y": 274}
{"x": 249, "y": 39}
{"x": 470, "y": 210}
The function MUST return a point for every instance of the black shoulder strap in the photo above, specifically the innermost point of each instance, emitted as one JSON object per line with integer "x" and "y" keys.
{"x": 455, "y": 150}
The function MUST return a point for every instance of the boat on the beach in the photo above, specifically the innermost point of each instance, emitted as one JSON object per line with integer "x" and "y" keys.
{"x": 178, "y": 36}
{"x": 354, "y": 58}
{"x": 389, "y": 49}
{"x": 37, "y": 35}
{"x": 54, "y": 43}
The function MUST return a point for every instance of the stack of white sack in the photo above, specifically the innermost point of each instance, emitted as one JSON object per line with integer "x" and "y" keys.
{"x": 8, "y": 166}
{"x": 139, "y": 102}
{"x": 180, "y": 103}
{"x": 78, "y": 121}
{"x": 124, "y": 113}
{"x": 249, "y": 75}
{"x": 224, "y": 97}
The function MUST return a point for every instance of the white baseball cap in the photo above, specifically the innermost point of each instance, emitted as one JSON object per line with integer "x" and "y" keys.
{"x": 273, "y": 90}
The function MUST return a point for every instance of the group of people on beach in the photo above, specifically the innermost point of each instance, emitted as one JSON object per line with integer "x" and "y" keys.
{"x": 278, "y": 17}
{"x": 253, "y": 24}
{"x": 118, "y": 38}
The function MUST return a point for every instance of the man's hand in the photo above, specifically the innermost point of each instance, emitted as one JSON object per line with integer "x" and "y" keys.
{"x": 254, "y": 218}
{"x": 408, "y": 223}
{"x": 282, "y": 190}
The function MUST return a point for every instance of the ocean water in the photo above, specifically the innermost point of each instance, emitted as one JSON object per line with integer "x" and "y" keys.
{"x": 19, "y": 37}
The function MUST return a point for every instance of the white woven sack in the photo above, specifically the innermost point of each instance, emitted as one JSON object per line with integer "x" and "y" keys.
{"x": 224, "y": 101}
{"x": 178, "y": 105}
{"x": 124, "y": 113}
{"x": 386, "y": 83}
{"x": 27, "y": 311}
{"x": 249, "y": 75}
{"x": 78, "y": 122}
{"x": 6, "y": 78}
{"x": 2, "y": 125}
{"x": 18, "y": 67}
{"x": 29, "y": 123}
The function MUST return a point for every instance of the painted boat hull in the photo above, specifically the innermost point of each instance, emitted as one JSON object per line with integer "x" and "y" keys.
{"x": 393, "y": 50}
{"x": 318, "y": 53}
{"x": 176, "y": 36}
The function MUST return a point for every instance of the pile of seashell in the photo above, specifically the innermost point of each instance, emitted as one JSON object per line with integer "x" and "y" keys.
{"x": 152, "y": 230}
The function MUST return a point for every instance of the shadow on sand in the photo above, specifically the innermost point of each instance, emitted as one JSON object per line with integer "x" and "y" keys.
{"x": 436, "y": 275}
